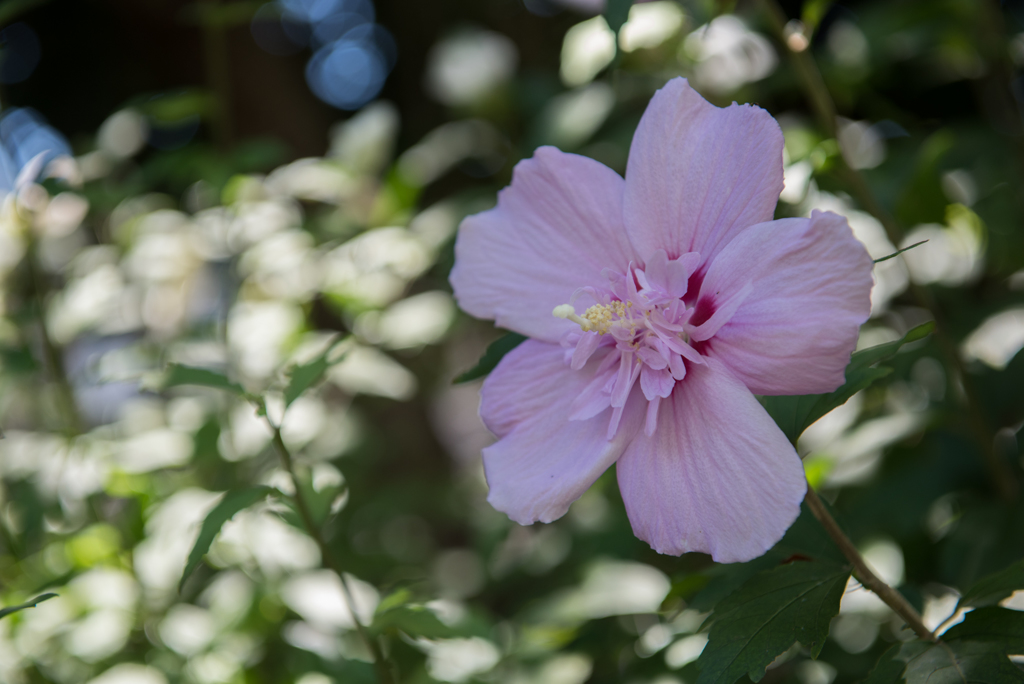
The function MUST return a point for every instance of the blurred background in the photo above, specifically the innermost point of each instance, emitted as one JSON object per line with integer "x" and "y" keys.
{"x": 234, "y": 184}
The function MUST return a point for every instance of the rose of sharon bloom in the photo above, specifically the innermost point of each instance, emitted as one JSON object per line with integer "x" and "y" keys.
{"x": 658, "y": 306}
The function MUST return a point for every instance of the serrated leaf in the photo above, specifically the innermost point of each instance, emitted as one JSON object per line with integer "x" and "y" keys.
{"x": 994, "y": 588}
{"x": 974, "y": 651}
{"x": 232, "y": 503}
{"x": 415, "y": 621}
{"x": 888, "y": 670}
{"x": 495, "y": 353}
{"x": 795, "y": 414}
{"x": 771, "y": 611}
{"x": 304, "y": 375}
{"x": 616, "y": 13}
{"x": 178, "y": 375}
{"x": 4, "y": 612}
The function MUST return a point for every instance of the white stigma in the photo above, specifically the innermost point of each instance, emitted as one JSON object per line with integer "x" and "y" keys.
{"x": 567, "y": 311}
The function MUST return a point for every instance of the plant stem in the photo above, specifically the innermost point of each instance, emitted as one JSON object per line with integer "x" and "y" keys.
{"x": 53, "y": 359}
{"x": 862, "y": 572}
{"x": 1003, "y": 479}
{"x": 379, "y": 664}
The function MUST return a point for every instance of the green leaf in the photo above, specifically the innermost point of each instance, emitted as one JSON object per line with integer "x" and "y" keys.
{"x": 232, "y": 503}
{"x": 813, "y": 12}
{"x": 994, "y": 588}
{"x": 771, "y": 611}
{"x": 900, "y": 251}
{"x": 794, "y": 414}
{"x": 178, "y": 375}
{"x": 616, "y": 13}
{"x": 991, "y": 624}
{"x": 495, "y": 353}
{"x": 304, "y": 375}
{"x": 888, "y": 670}
{"x": 4, "y": 612}
{"x": 974, "y": 651}
{"x": 415, "y": 621}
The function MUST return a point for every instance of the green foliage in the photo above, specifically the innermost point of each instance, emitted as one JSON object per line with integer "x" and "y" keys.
{"x": 994, "y": 588}
{"x": 973, "y": 651}
{"x": 304, "y": 375}
{"x": 232, "y": 503}
{"x": 4, "y": 612}
{"x": 416, "y": 621}
{"x": 178, "y": 375}
{"x": 772, "y": 610}
{"x": 616, "y": 13}
{"x": 795, "y": 414}
{"x": 495, "y": 353}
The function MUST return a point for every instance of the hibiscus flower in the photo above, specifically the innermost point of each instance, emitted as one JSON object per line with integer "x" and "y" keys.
{"x": 658, "y": 305}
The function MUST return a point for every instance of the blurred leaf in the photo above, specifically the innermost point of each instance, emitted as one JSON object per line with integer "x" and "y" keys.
{"x": 178, "y": 375}
{"x": 994, "y": 588}
{"x": 174, "y": 107}
{"x": 4, "y": 612}
{"x": 813, "y": 12}
{"x": 898, "y": 252}
{"x": 889, "y": 669}
{"x": 794, "y": 414}
{"x": 923, "y": 199}
{"x": 416, "y": 621}
{"x": 232, "y": 503}
{"x": 495, "y": 352}
{"x": 973, "y": 651}
{"x": 771, "y": 611}
{"x": 304, "y": 375}
{"x": 616, "y": 13}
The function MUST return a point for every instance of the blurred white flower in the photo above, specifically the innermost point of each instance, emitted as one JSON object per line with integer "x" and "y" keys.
{"x": 614, "y": 588}
{"x": 997, "y": 340}
{"x": 456, "y": 660}
{"x": 373, "y": 269}
{"x": 365, "y": 370}
{"x": 570, "y": 119}
{"x": 650, "y": 25}
{"x": 130, "y": 673}
{"x": 187, "y": 629}
{"x": 862, "y": 145}
{"x": 318, "y": 597}
{"x": 257, "y": 332}
{"x": 685, "y": 651}
{"x": 123, "y": 133}
{"x": 953, "y": 254}
{"x": 729, "y": 55}
{"x": 365, "y": 143}
{"x": 588, "y": 47}
{"x": 467, "y": 66}
{"x": 412, "y": 322}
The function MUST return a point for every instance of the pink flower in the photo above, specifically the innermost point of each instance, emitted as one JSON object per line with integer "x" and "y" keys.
{"x": 676, "y": 299}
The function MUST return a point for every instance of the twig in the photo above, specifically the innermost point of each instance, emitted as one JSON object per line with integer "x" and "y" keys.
{"x": 862, "y": 572}
{"x": 380, "y": 665}
{"x": 1003, "y": 479}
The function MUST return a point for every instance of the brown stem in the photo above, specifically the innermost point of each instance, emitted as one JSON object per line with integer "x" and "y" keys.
{"x": 1002, "y": 477}
{"x": 862, "y": 572}
{"x": 379, "y": 664}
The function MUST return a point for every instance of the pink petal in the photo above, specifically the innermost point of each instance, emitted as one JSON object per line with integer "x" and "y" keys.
{"x": 543, "y": 461}
{"x": 811, "y": 284}
{"x": 717, "y": 476}
{"x": 555, "y": 228}
{"x": 699, "y": 174}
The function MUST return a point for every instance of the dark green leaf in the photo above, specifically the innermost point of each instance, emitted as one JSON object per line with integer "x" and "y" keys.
{"x": 4, "y": 612}
{"x": 495, "y": 353}
{"x": 794, "y": 414}
{"x": 771, "y": 611}
{"x": 991, "y": 624}
{"x": 616, "y": 13}
{"x": 994, "y": 588}
{"x": 813, "y": 12}
{"x": 232, "y": 503}
{"x": 305, "y": 375}
{"x": 974, "y": 651}
{"x": 888, "y": 670}
{"x": 900, "y": 251}
{"x": 960, "y": 662}
{"x": 178, "y": 375}
{"x": 416, "y": 621}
